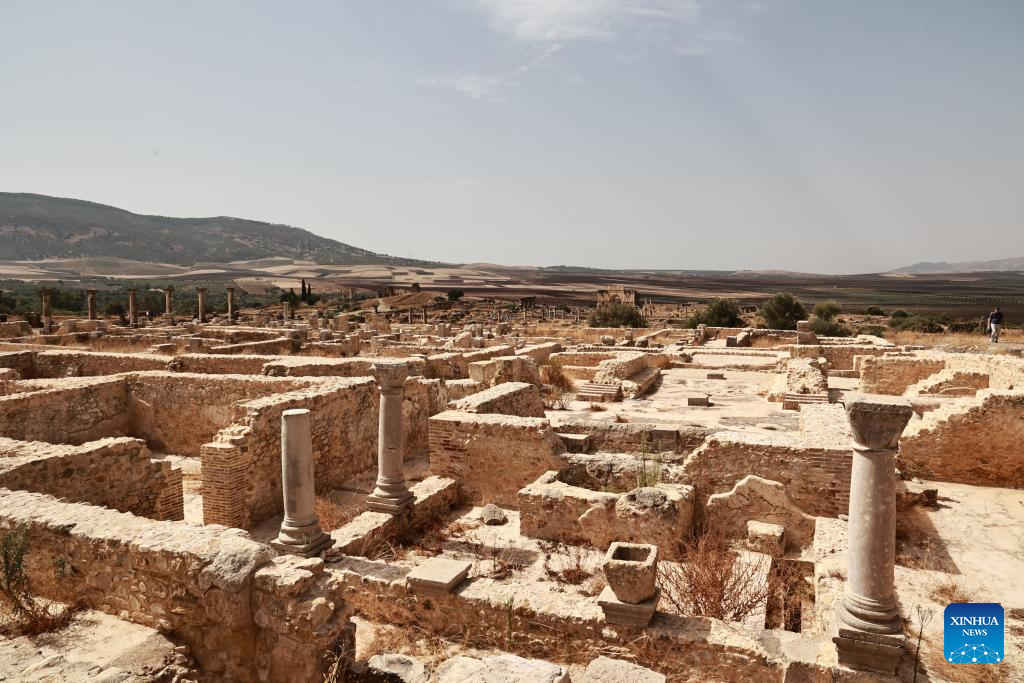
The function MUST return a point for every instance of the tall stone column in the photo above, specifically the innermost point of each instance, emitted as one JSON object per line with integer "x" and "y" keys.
{"x": 201, "y": 291}
{"x": 870, "y": 629}
{"x": 424, "y": 315}
{"x": 391, "y": 494}
{"x": 47, "y": 314}
{"x": 169, "y": 304}
{"x": 231, "y": 303}
{"x": 300, "y": 532}
{"x": 90, "y": 295}
{"x": 133, "y": 307}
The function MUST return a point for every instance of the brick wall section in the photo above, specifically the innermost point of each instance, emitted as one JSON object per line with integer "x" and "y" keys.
{"x": 245, "y": 616}
{"x": 971, "y": 441}
{"x": 816, "y": 479}
{"x": 242, "y": 466}
{"x": 492, "y": 456}
{"x": 116, "y": 473}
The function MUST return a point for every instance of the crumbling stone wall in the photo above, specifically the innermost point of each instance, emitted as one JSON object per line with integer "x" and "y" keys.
{"x": 242, "y": 465}
{"x": 636, "y": 437}
{"x": 492, "y": 456}
{"x": 179, "y": 412}
{"x": 894, "y": 374}
{"x": 838, "y": 357}
{"x": 510, "y": 398}
{"x": 422, "y": 398}
{"x": 245, "y": 616}
{"x": 972, "y": 441}
{"x": 91, "y": 363}
{"x": 116, "y": 473}
{"x": 816, "y": 479}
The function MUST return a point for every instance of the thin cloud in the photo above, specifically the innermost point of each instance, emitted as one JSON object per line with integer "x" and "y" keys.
{"x": 473, "y": 86}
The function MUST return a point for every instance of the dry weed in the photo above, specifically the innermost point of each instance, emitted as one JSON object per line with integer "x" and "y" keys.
{"x": 711, "y": 581}
{"x": 333, "y": 516}
{"x": 552, "y": 374}
{"x": 566, "y": 563}
{"x": 950, "y": 590}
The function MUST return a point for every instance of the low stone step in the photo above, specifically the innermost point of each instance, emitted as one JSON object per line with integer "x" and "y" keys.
{"x": 794, "y": 401}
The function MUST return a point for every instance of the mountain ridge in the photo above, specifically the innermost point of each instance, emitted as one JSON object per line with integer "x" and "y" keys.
{"x": 35, "y": 227}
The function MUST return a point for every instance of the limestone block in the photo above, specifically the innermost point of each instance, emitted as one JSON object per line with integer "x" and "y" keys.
{"x": 500, "y": 669}
{"x": 608, "y": 670}
{"x": 625, "y": 613}
{"x": 395, "y": 668}
{"x": 438, "y": 575}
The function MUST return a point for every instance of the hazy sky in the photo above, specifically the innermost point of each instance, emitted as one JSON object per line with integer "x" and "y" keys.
{"x": 818, "y": 136}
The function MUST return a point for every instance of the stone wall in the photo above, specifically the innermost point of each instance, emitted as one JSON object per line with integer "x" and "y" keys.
{"x": 245, "y": 616}
{"x": 422, "y": 399}
{"x": 79, "y": 410}
{"x": 894, "y": 374}
{"x": 89, "y": 363}
{"x": 213, "y": 364}
{"x": 242, "y": 465}
{"x": 510, "y": 398}
{"x": 492, "y": 456}
{"x": 838, "y": 357}
{"x": 635, "y": 437}
{"x": 971, "y": 441}
{"x": 816, "y": 479}
{"x": 179, "y": 412}
{"x": 116, "y": 473}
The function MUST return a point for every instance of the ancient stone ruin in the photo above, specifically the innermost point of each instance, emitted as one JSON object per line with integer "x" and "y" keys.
{"x": 506, "y": 496}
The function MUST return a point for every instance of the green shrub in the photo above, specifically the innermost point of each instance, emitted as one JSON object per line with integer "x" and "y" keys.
{"x": 829, "y": 328}
{"x": 827, "y": 310}
{"x": 455, "y": 294}
{"x": 782, "y": 312}
{"x": 876, "y": 330}
{"x": 875, "y": 310}
{"x": 719, "y": 313}
{"x": 617, "y": 315}
{"x": 965, "y": 326}
{"x": 915, "y": 323}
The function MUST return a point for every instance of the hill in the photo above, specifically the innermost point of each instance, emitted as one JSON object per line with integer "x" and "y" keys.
{"x": 1000, "y": 265}
{"x": 35, "y": 227}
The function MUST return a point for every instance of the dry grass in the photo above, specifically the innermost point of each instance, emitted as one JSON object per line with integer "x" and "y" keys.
{"x": 957, "y": 339}
{"x": 935, "y": 665}
{"x": 711, "y": 581}
{"x": 949, "y": 590}
{"x": 333, "y": 516}
{"x": 566, "y": 563}
{"x": 552, "y": 374}
{"x": 596, "y": 408}
{"x": 22, "y": 612}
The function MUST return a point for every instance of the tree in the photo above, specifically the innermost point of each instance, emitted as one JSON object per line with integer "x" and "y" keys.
{"x": 455, "y": 294}
{"x": 617, "y": 315}
{"x": 719, "y": 313}
{"x": 782, "y": 312}
{"x": 827, "y": 310}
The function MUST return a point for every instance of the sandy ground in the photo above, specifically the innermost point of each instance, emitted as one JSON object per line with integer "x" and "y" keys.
{"x": 972, "y": 546}
{"x": 736, "y": 403}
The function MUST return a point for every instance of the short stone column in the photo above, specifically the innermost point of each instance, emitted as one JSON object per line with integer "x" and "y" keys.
{"x": 133, "y": 307}
{"x": 231, "y": 303}
{"x": 169, "y": 303}
{"x": 47, "y": 314}
{"x": 201, "y": 292}
{"x": 300, "y": 529}
{"x": 424, "y": 315}
{"x": 391, "y": 494}
{"x": 870, "y": 629}
{"x": 90, "y": 297}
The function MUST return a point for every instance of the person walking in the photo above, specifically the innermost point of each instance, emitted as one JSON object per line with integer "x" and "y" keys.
{"x": 995, "y": 324}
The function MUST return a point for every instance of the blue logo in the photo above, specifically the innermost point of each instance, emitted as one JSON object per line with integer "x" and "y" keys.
{"x": 973, "y": 633}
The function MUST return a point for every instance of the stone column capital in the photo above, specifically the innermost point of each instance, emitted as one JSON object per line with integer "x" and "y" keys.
{"x": 877, "y": 421}
{"x": 390, "y": 375}
{"x": 201, "y": 289}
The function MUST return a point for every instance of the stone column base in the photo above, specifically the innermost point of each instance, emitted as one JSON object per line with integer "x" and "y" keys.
{"x": 869, "y": 651}
{"x": 309, "y": 549}
{"x": 627, "y": 614}
{"x": 393, "y": 506}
